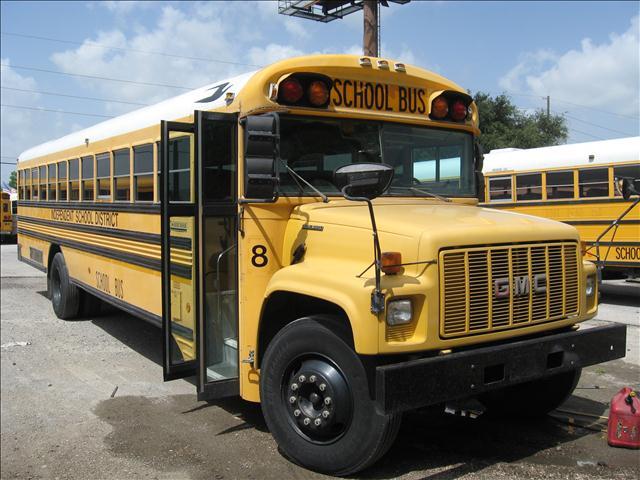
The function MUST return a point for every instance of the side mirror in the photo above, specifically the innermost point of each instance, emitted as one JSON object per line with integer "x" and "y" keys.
{"x": 626, "y": 187}
{"x": 363, "y": 180}
{"x": 261, "y": 152}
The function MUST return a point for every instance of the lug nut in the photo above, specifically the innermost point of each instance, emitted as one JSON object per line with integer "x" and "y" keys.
{"x": 312, "y": 378}
{"x": 327, "y": 401}
{"x": 292, "y": 399}
{"x": 322, "y": 387}
{"x": 302, "y": 378}
{"x": 296, "y": 413}
{"x": 294, "y": 386}
{"x": 325, "y": 414}
{"x": 317, "y": 422}
{"x": 306, "y": 421}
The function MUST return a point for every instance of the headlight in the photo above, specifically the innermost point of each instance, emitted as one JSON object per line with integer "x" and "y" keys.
{"x": 590, "y": 288}
{"x": 399, "y": 312}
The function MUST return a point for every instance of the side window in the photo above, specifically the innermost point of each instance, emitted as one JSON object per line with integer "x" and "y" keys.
{"x": 180, "y": 169}
{"x": 122, "y": 174}
{"x": 559, "y": 185}
{"x": 529, "y": 187}
{"x": 159, "y": 168}
{"x": 53, "y": 183}
{"x": 500, "y": 189}
{"x": 34, "y": 183}
{"x": 62, "y": 181}
{"x": 87, "y": 179}
{"x": 20, "y": 186}
{"x": 594, "y": 182}
{"x": 74, "y": 179}
{"x": 103, "y": 176}
{"x": 26, "y": 176}
{"x": 626, "y": 171}
{"x": 43, "y": 183}
{"x": 143, "y": 173}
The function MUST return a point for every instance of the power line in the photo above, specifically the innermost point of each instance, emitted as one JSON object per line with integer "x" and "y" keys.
{"x": 95, "y": 77}
{"x": 587, "y": 134}
{"x": 596, "y": 125}
{"x": 75, "y": 96}
{"x": 123, "y": 49}
{"x": 56, "y": 111}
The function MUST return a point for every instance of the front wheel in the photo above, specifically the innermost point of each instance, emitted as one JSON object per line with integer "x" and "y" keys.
{"x": 532, "y": 399}
{"x": 316, "y": 403}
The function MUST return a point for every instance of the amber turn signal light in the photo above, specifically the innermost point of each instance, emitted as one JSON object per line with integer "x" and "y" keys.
{"x": 391, "y": 262}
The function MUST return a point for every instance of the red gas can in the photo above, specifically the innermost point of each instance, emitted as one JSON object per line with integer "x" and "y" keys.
{"x": 624, "y": 419}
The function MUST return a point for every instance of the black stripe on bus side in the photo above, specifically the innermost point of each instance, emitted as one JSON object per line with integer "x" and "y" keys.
{"x": 622, "y": 264}
{"x": 616, "y": 244}
{"x": 600, "y": 222}
{"x": 121, "y": 304}
{"x": 152, "y": 264}
{"x": 124, "y": 234}
{"x": 108, "y": 207}
{"x": 178, "y": 242}
{"x": 553, "y": 202}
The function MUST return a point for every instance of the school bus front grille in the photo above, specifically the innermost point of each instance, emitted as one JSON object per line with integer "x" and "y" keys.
{"x": 502, "y": 287}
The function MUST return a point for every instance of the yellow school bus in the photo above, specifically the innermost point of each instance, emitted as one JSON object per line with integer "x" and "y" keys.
{"x": 574, "y": 184}
{"x": 308, "y": 236}
{"x": 6, "y": 217}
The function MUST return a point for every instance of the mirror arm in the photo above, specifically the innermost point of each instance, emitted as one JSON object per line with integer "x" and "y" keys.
{"x": 377, "y": 297}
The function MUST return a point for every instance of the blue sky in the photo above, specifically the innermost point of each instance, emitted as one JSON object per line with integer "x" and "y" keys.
{"x": 585, "y": 55}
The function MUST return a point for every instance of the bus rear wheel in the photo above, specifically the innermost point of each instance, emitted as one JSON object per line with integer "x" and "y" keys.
{"x": 65, "y": 297}
{"x": 316, "y": 403}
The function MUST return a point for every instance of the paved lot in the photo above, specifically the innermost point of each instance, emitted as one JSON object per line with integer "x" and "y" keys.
{"x": 62, "y": 416}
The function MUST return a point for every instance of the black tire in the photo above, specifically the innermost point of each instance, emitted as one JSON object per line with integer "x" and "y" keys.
{"x": 90, "y": 305}
{"x": 353, "y": 434}
{"x": 531, "y": 399}
{"x": 65, "y": 297}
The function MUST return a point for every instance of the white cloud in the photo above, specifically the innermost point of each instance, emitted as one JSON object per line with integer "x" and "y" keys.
{"x": 272, "y": 53}
{"x": 605, "y": 75}
{"x": 176, "y": 33}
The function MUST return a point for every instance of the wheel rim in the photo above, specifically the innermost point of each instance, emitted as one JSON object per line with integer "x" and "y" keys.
{"x": 55, "y": 287}
{"x": 317, "y": 399}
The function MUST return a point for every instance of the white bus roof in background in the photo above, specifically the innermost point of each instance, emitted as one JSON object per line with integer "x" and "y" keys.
{"x": 170, "y": 109}
{"x": 571, "y": 155}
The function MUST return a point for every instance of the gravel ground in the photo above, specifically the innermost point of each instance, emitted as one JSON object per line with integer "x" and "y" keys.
{"x": 85, "y": 400}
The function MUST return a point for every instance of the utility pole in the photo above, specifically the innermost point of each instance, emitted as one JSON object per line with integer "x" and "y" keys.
{"x": 370, "y": 41}
{"x": 548, "y": 106}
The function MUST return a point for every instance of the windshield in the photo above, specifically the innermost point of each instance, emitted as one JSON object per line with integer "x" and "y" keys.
{"x": 425, "y": 160}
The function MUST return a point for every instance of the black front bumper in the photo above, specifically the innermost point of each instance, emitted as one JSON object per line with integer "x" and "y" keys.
{"x": 427, "y": 381}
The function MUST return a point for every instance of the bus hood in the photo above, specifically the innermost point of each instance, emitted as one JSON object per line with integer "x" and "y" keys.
{"x": 436, "y": 222}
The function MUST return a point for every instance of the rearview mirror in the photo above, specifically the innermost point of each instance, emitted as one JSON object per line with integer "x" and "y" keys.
{"x": 363, "y": 180}
{"x": 261, "y": 152}
{"x": 626, "y": 186}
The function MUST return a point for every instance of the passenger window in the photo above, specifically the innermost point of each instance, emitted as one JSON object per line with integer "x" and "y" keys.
{"x": 121, "y": 174}
{"x": 218, "y": 163}
{"x": 43, "y": 183}
{"x": 559, "y": 185}
{"x": 529, "y": 187}
{"x": 62, "y": 181}
{"x": 34, "y": 183}
{"x": 103, "y": 176}
{"x": 53, "y": 183}
{"x": 626, "y": 171}
{"x": 143, "y": 173}
{"x": 88, "y": 184}
{"x": 74, "y": 170}
{"x": 180, "y": 169}
{"x": 500, "y": 189}
{"x": 594, "y": 182}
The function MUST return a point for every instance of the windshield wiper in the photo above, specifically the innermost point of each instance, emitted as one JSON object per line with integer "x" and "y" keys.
{"x": 297, "y": 177}
{"x": 426, "y": 192}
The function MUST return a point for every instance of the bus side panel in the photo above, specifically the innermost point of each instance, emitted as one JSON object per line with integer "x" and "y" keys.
{"x": 33, "y": 251}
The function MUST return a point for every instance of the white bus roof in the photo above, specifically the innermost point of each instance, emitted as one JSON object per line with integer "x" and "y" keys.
{"x": 170, "y": 109}
{"x": 571, "y": 155}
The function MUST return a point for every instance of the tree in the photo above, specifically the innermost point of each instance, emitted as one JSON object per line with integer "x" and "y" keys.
{"x": 503, "y": 125}
{"x": 13, "y": 183}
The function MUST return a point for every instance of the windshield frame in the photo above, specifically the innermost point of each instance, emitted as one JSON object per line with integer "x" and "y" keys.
{"x": 411, "y": 191}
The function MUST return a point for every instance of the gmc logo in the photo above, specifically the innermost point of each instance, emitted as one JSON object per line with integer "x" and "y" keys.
{"x": 521, "y": 285}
